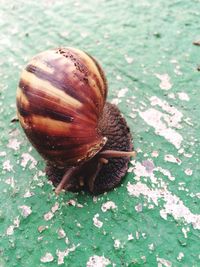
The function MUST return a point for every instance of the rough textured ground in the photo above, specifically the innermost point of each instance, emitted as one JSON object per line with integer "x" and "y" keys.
{"x": 153, "y": 219}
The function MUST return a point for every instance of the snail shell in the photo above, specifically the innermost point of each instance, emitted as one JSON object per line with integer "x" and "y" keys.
{"x": 60, "y": 98}
{"x": 61, "y": 105}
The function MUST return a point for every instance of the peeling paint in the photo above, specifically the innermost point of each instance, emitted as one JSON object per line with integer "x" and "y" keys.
{"x": 7, "y": 166}
{"x": 173, "y": 205}
{"x": 165, "y": 83}
{"x": 183, "y": 96}
{"x": 97, "y": 222}
{"x": 108, "y": 205}
{"x": 162, "y": 262}
{"x": 97, "y": 261}
{"x": 62, "y": 254}
{"x": 48, "y": 257}
{"x": 25, "y": 210}
{"x": 14, "y": 144}
{"x": 117, "y": 244}
{"x": 155, "y": 118}
{"x": 26, "y": 157}
{"x": 171, "y": 158}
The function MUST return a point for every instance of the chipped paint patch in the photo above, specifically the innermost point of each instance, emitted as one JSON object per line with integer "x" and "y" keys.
{"x": 180, "y": 256}
{"x": 109, "y": 205}
{"x": 26, "y": 158}
{"x": 97, "y": 261}
{"x": 62, "y": 254}
{"x": 28, "y": 194}
{"x": 117, "y": 243}
{"x": 7, "y": 166}
{"x": 61, "y": 233}
{"x": 3, "y": 154}
{"x": 162, "y": 262}
{"x": 122, "y": 92}
{"x": 138, "y": 207}
{"x": 183, "y": 96}
{"x": 48, "y": 216}
{"x": 14, "y": 144}
{"x": 173, "y": 205}
{"x": 174, "y": 116}
{"x": 25, "y": 210}
{"x": 165, "y": 83}
{"x": 130, "y": 237}
{"x": 48, "y": 257}
{"x": 188, "y": 172}
{"x": 97, "y": 222}
{"x": 171, "y": 158}
{"x": 11, "y": 228}
{"x": 155, "y": 118}
{"x": 128, "y": 59}
{"x": 10, "y": 181}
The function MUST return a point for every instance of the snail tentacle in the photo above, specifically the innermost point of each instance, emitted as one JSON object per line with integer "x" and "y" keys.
{"x": 66, "y": 178}
{"x": 116, "y": 154}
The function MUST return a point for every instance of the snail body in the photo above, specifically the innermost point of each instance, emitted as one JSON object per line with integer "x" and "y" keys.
{"x": 61, "y": 105}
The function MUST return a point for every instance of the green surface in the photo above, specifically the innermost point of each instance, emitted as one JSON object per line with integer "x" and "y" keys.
{"x": 156, "y": 221}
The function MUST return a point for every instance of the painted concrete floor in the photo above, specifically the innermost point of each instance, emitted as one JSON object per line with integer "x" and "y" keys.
{"x": 153, "y": 218}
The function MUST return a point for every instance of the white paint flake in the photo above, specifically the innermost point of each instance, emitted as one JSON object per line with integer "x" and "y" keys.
{"x": 62, "y": 254}
{"x": 174, "y": 116}
{"x": 48, "y": 257}
{"x": 162, "y": 262}
{"x": 26, "y": 158}
{"x": 155, "y": 154}
{"x": 180, "y": 256}
{"x": 28, "y": 194}
{"x": 116, "y": 101}
{"x": 97, "y": 222}
{"x": 185, "y": 231}
{"x": 163, "y": 214}
{"x": 165, "y": 83}
{"x": 55, "y": 207}
{"x": 108, "y": 205}
{"x": 71, "y": 202}
{"x": 138, "y": 207}
{"x": 48, "y": 216}
{"x": 14, "y": 144}
{"x": 25, "y": 210}
{"x": 10, "y": 181}
{"x": 61, "y": 233}
{"x": 41, "y": 228}
{"x": 183, "y": 96}
{"x": 122, "y": 92}
{"x": 173, "y": 205}
{"x": 188, "y": 172}
{"x": 171, "y": 158}
{"x": 130, "y": 237}
{"x": 11, "y": 228}
{"x": 151, "y": 246}
{"x": 98, "y": 261}
{"x": 128, "y": 59}
{"x": 2, "y": 154}
{"x": 171, "y": 96}
{"x": 7, "y": 166}
{"x": 155, "y": 118}
{"x": 117, "y": 243}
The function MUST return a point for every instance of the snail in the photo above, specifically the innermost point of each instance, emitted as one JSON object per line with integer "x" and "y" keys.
{"x": 62, "y": 108}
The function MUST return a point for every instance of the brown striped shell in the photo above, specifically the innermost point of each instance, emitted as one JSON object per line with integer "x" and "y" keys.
{"x": 60, "y": 98}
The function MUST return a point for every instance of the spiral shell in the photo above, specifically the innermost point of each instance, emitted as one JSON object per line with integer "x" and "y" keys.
{"x": 60, "y": 99}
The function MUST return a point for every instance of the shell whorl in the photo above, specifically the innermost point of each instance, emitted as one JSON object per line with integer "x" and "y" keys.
{"x": 60, "y": 98}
